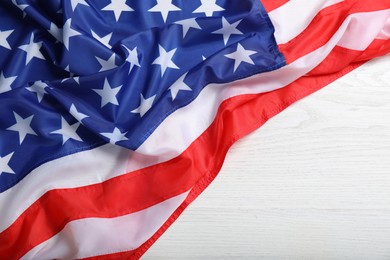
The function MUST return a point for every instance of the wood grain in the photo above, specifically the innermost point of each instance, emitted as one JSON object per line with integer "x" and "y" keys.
{"x": 313, "y": 183}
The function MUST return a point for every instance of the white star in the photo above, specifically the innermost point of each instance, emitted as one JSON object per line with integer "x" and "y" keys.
{"x": 241, "y": 55}
{"x": 107, "y": 64}
{"x": 132, "y": 58}
{"x": 71, "y": 76}
{"x": 179, "y": 85}
{"x": 108, "y": 94}
{"x": 56, "y": 32}
{"x": 68, "y": 131}
{"x": 187, "y": 24}
{"x": 68, "y": 32}
{"x": 118, "y": 6}
{"x": 228, "y": 29}
{"x": 208, "y": 7}
{"x": 76, "y": 114}
{"x": 22, "y": 126}
{"x": 3, "y": 38}
{"x": 4, "y": 167}
{"x": 165, "y": 60}
{"x": 116, "y": 136}
{"x": 164, "y": 7}
{"x": 75, "y": 3}
{"x": 5, "y": 83}
{"x": 38, "y": 88}
{"x": 145, "y": 105}
{"x": 32, "y": 50}
{"x": 105, "y": 40}
{"x": 77, "y": 79}
{"x": 20, "y": 6}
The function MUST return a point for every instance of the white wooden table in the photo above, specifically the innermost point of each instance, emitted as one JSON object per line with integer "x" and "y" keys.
{"x": 312, "y": 183}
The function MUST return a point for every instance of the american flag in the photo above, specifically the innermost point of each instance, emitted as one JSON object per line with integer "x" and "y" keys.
{"x": 116, "y": 114}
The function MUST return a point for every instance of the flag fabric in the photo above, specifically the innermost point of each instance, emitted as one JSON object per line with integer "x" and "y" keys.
{"x": 116, "y": 114}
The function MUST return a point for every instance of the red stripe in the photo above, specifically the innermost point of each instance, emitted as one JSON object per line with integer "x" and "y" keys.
{"x": 271, "y": 5}
{"x": 341, "y": 57}
{"x": 324, "y": 26}
{"x": 144, "y": 188}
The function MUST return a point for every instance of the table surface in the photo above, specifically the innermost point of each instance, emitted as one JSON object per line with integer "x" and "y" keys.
{"x": 313, "y": 182}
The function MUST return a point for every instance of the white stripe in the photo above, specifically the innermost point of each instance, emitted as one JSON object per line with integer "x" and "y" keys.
{"x": 369, "y": 28}
{"x": 385, "y": 33}
{"x": 293, "y": 17}
{"x": 87, "y": 167}
{"x": 99, "y": 236}
{"x": 170, "y": 139}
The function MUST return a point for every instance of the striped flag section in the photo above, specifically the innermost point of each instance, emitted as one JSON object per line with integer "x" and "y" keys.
{"x": 112, "y": 203}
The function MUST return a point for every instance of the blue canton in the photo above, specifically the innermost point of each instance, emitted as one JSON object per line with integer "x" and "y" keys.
{"x": 78, "y": 74}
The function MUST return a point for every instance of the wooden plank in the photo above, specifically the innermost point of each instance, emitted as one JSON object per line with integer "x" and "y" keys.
{"x": 314, "y": 182}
